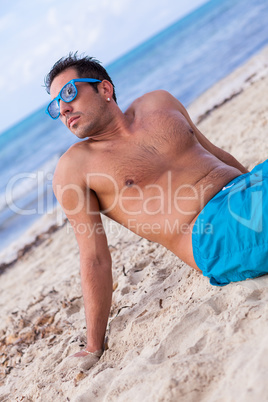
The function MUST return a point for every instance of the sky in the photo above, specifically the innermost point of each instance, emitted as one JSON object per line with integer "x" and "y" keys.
{"x": 34, "y": 34}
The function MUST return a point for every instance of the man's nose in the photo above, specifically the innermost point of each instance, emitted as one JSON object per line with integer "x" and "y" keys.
{"x": 65, "y": 108}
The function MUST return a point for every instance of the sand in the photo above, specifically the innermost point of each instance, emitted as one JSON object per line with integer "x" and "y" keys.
{"x": 171, "y": 335}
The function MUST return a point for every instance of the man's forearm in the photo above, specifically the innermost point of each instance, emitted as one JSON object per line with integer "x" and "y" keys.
{"x": 216, "y": 151}
{"x": 231, "y": 161}
{"x": 96, "y": 281}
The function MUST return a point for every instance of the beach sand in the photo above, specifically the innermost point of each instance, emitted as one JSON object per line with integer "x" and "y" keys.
{"x": 171, "y": 335}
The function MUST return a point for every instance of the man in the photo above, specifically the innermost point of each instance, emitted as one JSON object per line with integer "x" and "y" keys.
{"x": 153, "y": 171}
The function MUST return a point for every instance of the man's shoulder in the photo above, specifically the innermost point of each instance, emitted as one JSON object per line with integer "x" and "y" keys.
{"x": 154, "y": 100}
{"x": 76, "y": 154}
{"x": 69, "y": 166}
{"x": 153, "y": 96}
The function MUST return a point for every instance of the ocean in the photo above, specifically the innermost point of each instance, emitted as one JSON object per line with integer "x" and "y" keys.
{"x": 185, "y": 59}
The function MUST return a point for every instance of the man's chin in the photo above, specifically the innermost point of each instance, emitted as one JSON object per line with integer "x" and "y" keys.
{"x": 81, "y": 131}
{"x": 80, "y": 134}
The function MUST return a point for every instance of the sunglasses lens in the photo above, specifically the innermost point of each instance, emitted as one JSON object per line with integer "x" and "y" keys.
{"x": 68, "y": 92}
{"x": 53, "y": 109}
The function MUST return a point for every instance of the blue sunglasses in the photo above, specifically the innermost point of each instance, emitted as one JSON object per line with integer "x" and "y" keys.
{"x": 67, "y": 93}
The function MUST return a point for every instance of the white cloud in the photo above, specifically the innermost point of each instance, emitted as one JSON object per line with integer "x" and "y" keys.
{"x": 52, "y": 17}
{"x": 41, "y": 51}
{"x": 6, "y": 22}
{"x": 118, "y": 7}
{"x": 2, "y": 83}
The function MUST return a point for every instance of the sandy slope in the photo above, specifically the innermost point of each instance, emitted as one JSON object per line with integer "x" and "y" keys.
{"x": 171, "y": 336}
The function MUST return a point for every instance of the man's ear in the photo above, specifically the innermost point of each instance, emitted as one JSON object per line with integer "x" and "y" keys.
{"x": 107, "y": 89}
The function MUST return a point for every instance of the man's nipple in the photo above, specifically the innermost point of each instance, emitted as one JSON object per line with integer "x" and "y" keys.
{"x": 129, "y": 182}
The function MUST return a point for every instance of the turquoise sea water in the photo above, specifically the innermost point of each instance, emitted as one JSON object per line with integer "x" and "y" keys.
{"x": 186, "y": 59}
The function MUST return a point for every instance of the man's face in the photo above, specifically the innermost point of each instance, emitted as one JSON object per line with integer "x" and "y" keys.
{"x": 83, "y": 114}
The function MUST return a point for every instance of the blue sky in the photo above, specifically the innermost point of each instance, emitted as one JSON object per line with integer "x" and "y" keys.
{"x": 36, "y": 33}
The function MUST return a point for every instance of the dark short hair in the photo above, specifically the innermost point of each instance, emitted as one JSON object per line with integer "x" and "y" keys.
{"x": 85, "y": 66}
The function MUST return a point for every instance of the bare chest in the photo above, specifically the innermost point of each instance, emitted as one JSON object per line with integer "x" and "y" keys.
{"x": 156, "y": 146}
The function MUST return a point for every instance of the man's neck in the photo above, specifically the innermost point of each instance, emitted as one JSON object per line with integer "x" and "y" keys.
{"x": 118, "y": 127}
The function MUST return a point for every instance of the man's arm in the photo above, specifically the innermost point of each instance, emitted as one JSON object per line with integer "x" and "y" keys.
{"x": 213, "y": 149}
{"x": 170, "y": 101}
{"x": 82, "y": 210}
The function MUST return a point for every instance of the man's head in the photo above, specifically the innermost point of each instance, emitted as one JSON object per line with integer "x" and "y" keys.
{"x": 85, "y": 67}
{"x": 81, "y": 92}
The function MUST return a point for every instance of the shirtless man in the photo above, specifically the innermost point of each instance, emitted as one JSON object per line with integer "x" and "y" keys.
{"x": 148, "y": 169}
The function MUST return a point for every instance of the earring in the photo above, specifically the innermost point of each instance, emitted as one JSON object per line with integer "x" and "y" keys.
{"x": 108, "y": 99}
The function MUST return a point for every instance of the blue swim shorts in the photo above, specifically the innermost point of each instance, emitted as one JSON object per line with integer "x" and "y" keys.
{"x": 230, "y": 235}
